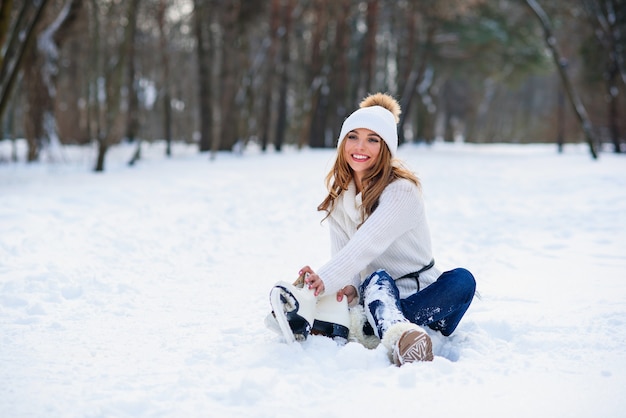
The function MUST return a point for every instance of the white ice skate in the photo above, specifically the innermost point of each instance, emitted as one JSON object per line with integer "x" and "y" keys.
{"x": 332, "y": 318}
{"x": 294, "y": 310}
{"x": 298, "y": 313}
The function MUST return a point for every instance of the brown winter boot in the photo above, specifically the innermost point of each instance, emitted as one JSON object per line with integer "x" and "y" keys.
{"x": 413, "y": 345}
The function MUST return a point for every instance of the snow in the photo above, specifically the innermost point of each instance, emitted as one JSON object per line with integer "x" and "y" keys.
{"x": 142, "y": 291}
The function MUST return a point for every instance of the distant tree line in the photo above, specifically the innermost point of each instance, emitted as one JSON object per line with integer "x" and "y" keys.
{"x": 222, "y": 73}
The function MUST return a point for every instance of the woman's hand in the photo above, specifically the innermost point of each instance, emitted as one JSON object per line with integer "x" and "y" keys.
{"x": 349, "y": 291}
{"x": 314, "y": 281}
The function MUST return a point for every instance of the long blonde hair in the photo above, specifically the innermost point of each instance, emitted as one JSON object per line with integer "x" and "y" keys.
{"x": 385, "y": 170}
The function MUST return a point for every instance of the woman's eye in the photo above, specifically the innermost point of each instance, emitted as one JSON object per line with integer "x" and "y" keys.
{"x": 352, "y": 137}
{"x": 373, "y": 140}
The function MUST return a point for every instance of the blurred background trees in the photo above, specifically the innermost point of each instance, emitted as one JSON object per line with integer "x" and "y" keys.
{"x": 223, "y": 73}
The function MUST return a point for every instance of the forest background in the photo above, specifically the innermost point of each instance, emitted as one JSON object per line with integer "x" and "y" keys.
{"x": 225, "y": 73}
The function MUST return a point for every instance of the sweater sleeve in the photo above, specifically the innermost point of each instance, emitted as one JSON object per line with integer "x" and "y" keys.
{"x": 398, "y": 208}
{"x": 338, "y": 237}
{"x": 338, "y": 240}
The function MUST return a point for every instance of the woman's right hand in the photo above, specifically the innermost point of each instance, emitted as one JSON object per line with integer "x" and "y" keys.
{"x": 314, "y": 281}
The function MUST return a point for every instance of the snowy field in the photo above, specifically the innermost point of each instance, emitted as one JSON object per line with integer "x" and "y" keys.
{"x": 141, "y": 292}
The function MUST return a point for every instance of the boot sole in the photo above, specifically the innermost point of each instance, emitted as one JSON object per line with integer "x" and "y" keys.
{"x": 419, "y": 347}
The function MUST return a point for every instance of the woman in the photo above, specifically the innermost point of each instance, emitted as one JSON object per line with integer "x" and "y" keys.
{"x": 380, "y": 241}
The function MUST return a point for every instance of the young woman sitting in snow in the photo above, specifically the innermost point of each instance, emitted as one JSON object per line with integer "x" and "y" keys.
{"x": 380, "y": 241}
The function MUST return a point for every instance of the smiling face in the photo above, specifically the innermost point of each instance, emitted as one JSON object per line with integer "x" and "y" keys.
{"x": 361, "y": 149}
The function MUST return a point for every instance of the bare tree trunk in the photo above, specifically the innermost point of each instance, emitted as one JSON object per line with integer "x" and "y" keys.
{"x": 281, "y": 124}
{"x": 613, "y": 118}
{"x": 40, "y": 80}
{"x": 113, "y": 79}
{"x": 415, "y": 76}
{"x": 20, "y": 41}
{"x": 608, "y": 29}
{"x": 577, "y": 105}
{"x": 339, "y": 78}
{"x": 202, "y": 23}
{"x": 315, "y": 124}
{"x": 93, "y": 108}
{"x": 608, "y": 26}
{"x": 406, "y": 55}
{"x": 132, "y": 99}
{"x": 369, "y": 55}
{"x": 5, "y": 21}
{"x": 37, "y": 100}
{"x": 267, "y": 88}
{"x": 228, "y": 79}
{"x": 11, "y": 124}
{"x": 165, "y": 87}
{"x": 132, "y": 108}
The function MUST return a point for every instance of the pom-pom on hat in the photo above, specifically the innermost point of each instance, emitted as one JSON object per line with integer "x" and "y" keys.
{"x": 379, "y": 113}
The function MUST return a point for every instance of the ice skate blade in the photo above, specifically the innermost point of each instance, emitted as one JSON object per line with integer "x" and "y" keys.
{"x": 279, "y": 314}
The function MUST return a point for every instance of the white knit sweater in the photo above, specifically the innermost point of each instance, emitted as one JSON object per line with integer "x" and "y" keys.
{"x": 395, "y": 237}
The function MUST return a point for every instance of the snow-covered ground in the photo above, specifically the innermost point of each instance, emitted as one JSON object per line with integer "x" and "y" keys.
{"x": 141, "y": 292}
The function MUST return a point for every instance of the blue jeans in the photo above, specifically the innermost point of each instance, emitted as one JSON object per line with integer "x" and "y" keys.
{"x": 439, "y": 306}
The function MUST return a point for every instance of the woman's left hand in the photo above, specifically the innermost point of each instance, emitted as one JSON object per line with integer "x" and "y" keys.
{"x": 349, "y": 291}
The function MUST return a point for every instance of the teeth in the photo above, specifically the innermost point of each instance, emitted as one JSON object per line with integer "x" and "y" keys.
{"x": 359, "y": 157}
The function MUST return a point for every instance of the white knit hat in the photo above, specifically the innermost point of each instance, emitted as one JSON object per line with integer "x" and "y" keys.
{"x": 374, "y": 118}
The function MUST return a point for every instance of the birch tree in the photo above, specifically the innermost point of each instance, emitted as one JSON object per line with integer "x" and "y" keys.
{"x": 21, "y": 38}
{"x": 40, "y": 72}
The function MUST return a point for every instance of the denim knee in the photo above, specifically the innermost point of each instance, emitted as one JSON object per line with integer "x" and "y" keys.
{"x": 467, "y": 281}
{"x": 462, "y": 281}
